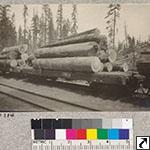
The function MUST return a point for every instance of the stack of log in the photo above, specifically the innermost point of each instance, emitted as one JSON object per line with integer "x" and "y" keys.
{"x": 83, "y": 52}
{"x": 11, "y": 56}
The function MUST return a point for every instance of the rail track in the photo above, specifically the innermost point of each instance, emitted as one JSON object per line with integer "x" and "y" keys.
{"x": 60, "y": 96}
{"x": 44, "y": 102}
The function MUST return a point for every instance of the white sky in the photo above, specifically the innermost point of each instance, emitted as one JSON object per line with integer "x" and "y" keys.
{"x": 136, "y": 16}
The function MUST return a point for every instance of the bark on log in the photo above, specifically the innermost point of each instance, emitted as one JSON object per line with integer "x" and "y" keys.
{"x": 73, "y": 64}
{"x": 120, "y": 66}
{"x": 3, "y": 56}
{"x": 108, "y": 67}
{"x": 87, "y": 36}
{"x": 5, "y": 64}
{"x": 103, "y": 56}
{"x": 71, "y": 50}
{"x": 10, "y": 55}
{"x": 19, "y": 48}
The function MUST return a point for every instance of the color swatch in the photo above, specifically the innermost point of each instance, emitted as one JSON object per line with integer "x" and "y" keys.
{"x": 80, "y": 129}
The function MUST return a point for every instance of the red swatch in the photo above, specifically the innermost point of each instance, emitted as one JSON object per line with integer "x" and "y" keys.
{"x": 81, "y": 134}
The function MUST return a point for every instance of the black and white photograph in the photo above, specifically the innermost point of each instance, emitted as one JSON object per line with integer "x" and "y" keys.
{"x": 74, "y": 57}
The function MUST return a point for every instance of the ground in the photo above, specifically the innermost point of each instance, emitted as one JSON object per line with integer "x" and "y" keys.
{"x": 70, "y": 93}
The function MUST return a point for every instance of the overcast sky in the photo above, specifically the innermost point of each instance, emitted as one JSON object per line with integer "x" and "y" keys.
{"x": 137, "y": 17}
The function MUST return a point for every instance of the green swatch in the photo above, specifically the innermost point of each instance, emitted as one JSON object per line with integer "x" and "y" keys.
{"x": 102, "y": 133}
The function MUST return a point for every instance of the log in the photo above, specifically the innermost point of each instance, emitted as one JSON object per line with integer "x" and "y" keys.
{"x": 71, "y": 50}
{"x": 120, "y": 66}
{"x": 5, "y": 63}
{"x": 10, "y": 55}
{"x": 19, "y": 48}
{"x": 103, "y": 56}
{"x": 13, "y": 63}
{"x": 3, "y": 56}
{"x": 108, "y": 67}
{"x": 73, "y": 64}
{"x": 112, "y": 55}
{"x": 83, "y": 37}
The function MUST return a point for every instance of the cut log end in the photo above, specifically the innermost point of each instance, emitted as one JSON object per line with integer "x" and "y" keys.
{"x": 108, "y": 67}
{"x": 112, "y": 56}
{"x": 125, "y": 67}
{"x": 97, "y": 66}
{"x": 13, "y": 63}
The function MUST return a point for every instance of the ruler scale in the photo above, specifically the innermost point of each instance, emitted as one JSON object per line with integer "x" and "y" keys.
{"x": 82, "y": 134}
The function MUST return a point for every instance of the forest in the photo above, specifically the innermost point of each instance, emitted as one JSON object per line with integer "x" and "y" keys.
{"x": 43, "y": 32}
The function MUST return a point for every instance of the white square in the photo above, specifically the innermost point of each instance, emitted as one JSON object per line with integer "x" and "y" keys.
{"x": 143, "y": 142}
{"x": 60, "y": 134}
{"x": 32, "y": 134}
{"x": 117, "y": 123}
{"x": 127, "y": 123}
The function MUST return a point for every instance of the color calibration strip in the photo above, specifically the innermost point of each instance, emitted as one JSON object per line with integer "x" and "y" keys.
{"x": 81, "y": 134}
{"x": 78, "y": 134}
{"x": 77, "y": 129}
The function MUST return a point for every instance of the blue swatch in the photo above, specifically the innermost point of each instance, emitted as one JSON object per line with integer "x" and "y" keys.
{"x": 113, "y": 134}
{"x": 124, "y": 134}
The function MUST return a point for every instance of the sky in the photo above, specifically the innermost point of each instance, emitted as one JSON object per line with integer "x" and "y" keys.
{"x": 136, "y": 17}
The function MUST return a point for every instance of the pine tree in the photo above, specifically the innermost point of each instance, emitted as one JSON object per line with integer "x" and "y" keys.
{"x": 13, "y": 30}
{"x": 41, "y": 31}
{"x": 25, "y": 14}
{"x": 74, "y": 20}
{"x": 7, "y": 28}
{"x": 49, "y": 35}
{"x": 59, "y": 21}
{"x": 112, "y": 16}
{"x": 20, "y": 36}
{"x": 45, "y": 9}
{"x": 66, "y": 28}
{"x": 35, "y": 30}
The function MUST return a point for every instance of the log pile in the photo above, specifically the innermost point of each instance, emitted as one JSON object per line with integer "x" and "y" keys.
{"x": 83, "y": 52}
{"x": 10, "y": 56}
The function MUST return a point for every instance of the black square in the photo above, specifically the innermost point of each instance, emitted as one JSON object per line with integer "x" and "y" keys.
{"x": 57, "y": 123}
{"x": 38, "y": 134}
{"x": 47, "y": 123}
{"x": 66, "y": 123}
{"x": 35, "y": 123}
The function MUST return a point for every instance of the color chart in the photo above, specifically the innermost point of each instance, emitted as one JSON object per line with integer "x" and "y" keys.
{"x": 85, "y": 134}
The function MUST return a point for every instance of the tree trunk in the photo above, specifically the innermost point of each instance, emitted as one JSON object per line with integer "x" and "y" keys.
{"x": 120, "y": 66}
{"x": 73, "y": 64}
{"x": 88, "y": 36}
{"x": 71, "y": 50}
{"x": 108, "y": 67}
{"x": 19, "y": 48}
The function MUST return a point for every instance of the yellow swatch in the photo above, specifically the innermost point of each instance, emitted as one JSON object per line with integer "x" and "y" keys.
{"x": 91, "y": 134}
